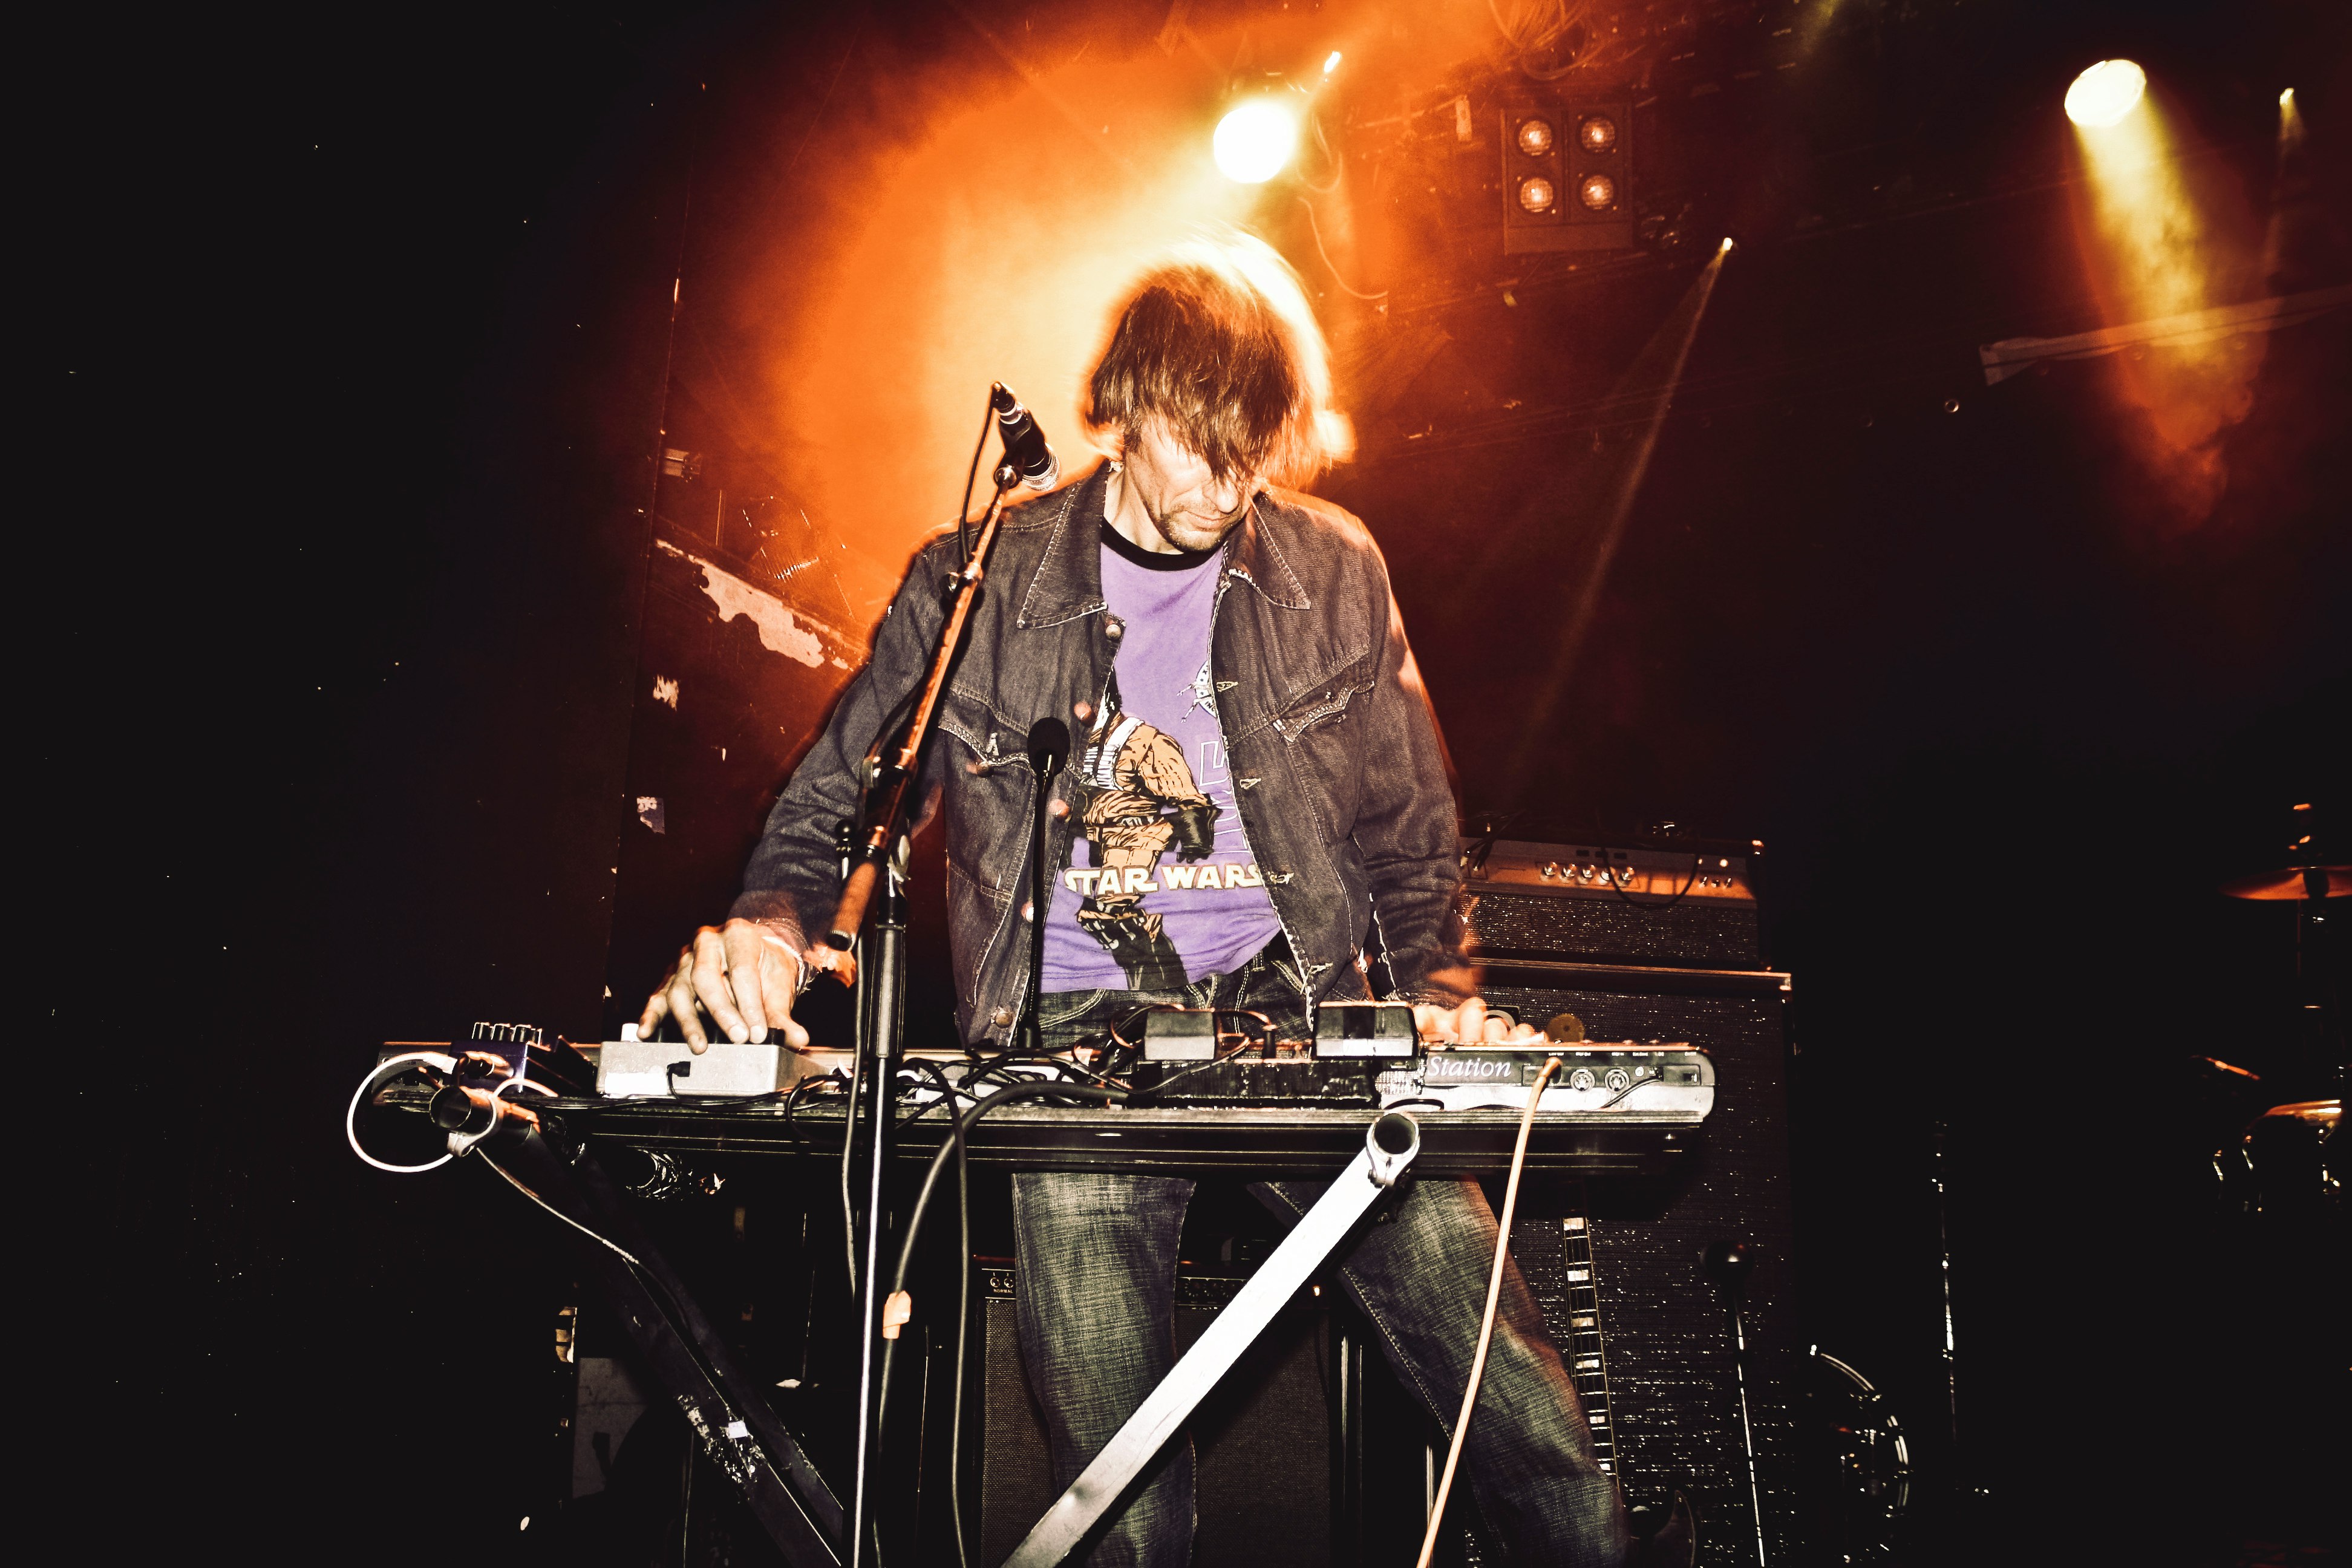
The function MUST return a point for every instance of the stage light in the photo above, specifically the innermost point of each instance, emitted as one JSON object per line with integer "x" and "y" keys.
{"x": 1565, "y": 181}
{"x": 1726, "y": 245}
{"x": 2286, "y": 98}
{"x": 2103, "y": 94}
{"x": 1330, "y": 62}
{"x": 1254, "y": 141}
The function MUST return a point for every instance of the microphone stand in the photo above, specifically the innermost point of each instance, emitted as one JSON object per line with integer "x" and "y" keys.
{"x": 882, "y": 994}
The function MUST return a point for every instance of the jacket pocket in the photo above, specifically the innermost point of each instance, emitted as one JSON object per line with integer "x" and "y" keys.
{"x": 1323, "y": 702}
{"x": 973, "y": 729}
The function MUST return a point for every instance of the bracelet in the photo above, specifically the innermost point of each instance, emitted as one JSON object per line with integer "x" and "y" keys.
{"x": 806, "y": 977}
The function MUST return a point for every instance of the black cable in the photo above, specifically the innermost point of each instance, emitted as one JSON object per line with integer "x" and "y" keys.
{"x": 848, "y": 1142}
{"x": 1058, "y": 1060}
{"x": 680, "y": 1318}
{"x": 792, "y": 1104}
{"x": 899, "y": 713}
{"x": 1029, "y": 1088}
{"x": 964, "y": 1331}
{"x": 713, "y": 1102}
{"x": 1656, "y": 1075}
{"x": 959, "y": 1129}
{"x": 1121, "y": 1040}
{"x": 949, "y": 1089}
{"x": 971, "y": 478}
{"x": 1146, "y": 1095}
{"x": 1688, "y": 883}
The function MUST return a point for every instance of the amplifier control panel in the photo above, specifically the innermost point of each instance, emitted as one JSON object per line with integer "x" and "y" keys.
{"x": 1592, "y": 870}
{"x": 1591, "y": 1077}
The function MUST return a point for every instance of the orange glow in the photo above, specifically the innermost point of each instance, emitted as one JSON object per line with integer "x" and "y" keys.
{"x": 992, "y": 242}
{"x": 991, "y": 251}
{"x": 2153, "y": 248}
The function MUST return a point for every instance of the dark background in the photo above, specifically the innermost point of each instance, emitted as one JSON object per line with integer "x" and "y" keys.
{"x": 357, "y": 344}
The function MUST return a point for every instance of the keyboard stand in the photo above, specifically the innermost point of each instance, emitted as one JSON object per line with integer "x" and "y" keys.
{"x": 732, "y": 1423}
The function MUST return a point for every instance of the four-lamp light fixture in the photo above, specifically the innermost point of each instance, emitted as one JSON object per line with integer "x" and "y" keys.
{"x": 1564, "y": 175}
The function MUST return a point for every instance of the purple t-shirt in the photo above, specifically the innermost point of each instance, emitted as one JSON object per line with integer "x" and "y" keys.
{"x": 1160, "y": 887}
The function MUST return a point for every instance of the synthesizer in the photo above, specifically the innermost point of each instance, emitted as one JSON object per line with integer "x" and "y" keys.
{"x": 1629, "y": 1079}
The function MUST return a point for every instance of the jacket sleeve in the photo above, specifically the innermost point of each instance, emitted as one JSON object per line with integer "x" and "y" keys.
{"x": 792, "y": 880}
{"x": 1405, "y": 826}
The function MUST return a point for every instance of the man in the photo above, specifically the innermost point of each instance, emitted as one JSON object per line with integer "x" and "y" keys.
{"x": 1261, "y": 782}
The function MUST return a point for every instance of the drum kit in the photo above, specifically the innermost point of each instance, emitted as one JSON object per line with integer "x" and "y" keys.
{"x": 2282, "y": 1165}
{"x": 2284, "y": 1161}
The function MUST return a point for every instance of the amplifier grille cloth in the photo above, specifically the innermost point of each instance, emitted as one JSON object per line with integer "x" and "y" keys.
{"x": 1673, "y": 1392}
{"x": 1707, "y": 932}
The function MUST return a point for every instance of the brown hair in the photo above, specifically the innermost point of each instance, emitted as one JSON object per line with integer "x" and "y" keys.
{"x": 1217, "y": 344}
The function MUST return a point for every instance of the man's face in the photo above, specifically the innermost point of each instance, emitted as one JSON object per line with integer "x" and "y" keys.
{"x": 1183, "y": 503}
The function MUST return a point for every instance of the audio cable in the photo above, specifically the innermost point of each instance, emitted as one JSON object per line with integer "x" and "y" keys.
{"x": 1486, "y": 1323}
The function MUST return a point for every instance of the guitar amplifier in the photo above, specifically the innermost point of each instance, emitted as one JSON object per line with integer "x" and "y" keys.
{"x": 1659, "y": 902}
{"x": 1663, "y": 940}
{"x": 1618, "y": 1270}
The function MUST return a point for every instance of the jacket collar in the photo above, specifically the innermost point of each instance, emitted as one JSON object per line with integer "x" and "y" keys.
{"x": 1252, "y": 555}
{"x": 1068, "y": 583}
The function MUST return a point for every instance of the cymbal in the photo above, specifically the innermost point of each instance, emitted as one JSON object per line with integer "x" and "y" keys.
{"x": 2289, "y": 883}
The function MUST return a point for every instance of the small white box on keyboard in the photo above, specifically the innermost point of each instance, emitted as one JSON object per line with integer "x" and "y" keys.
{"x": 631, "y": 1069}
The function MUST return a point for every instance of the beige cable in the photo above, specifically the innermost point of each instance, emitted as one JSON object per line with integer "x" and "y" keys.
{"x": 1487, "y": 1325}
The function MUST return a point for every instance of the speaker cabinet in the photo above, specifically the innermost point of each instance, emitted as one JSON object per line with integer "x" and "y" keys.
{"x": 1667, "y": 1349}
{"x": 1266, "y": 1444}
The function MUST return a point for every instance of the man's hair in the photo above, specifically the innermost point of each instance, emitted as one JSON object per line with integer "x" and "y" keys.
{"x": 1217, "y": 345}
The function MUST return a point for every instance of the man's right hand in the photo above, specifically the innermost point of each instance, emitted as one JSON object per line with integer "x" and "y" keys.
{"x": 744, "y": 974}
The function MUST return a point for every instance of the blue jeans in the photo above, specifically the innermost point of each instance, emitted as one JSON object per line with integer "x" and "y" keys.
{"x": 1096, "y": 1282}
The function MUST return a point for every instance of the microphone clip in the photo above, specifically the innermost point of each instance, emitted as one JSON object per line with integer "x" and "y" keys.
{"x": 1028, "y": 459}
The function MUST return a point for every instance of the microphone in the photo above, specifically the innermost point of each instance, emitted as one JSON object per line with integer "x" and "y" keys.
{"x": 1025, "y": 445}
{"x": 1049, "y": 746}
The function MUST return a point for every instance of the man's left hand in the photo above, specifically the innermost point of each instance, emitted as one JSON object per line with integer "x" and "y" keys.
{"x": 1469, "y": 1025}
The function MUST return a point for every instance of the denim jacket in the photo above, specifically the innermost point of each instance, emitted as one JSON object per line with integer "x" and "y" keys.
{"x": 1341, "y": 777}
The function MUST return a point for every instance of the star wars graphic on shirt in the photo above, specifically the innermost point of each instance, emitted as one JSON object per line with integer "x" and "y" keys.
{"x": 1160, "y": 887}
{"x": 1136, "y": 800}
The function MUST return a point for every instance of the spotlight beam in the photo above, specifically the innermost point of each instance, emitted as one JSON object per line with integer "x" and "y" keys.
{"x": 1643, "y": 396}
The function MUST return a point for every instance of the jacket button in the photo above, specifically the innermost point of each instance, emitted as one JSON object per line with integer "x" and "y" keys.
{"x": 1001, "y": 1017}
{"x": 1082, "y": 711}
{"x": 1114, "y": 627}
